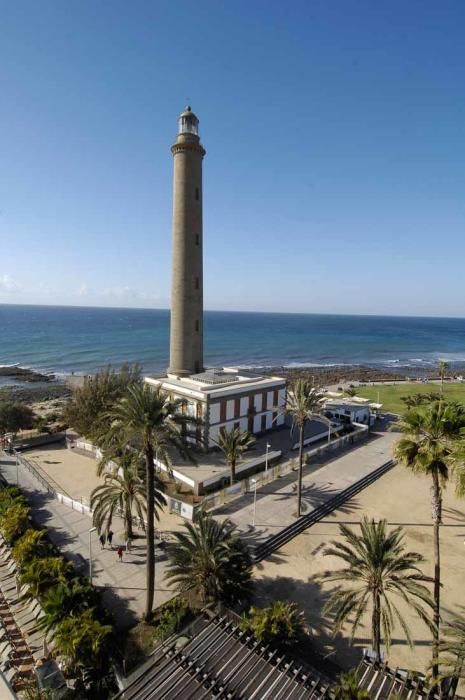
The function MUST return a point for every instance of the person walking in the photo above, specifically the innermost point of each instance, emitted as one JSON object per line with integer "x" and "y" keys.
{"x": 110, "y": 537}
{"x": 102, "y": 540}
{"x": 120, "y": 553}
{"x": 128, "y": 544}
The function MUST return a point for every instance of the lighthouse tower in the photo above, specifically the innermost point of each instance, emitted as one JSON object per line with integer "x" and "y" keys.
{"x": 186, "y": 332}
{"x": 217, "y": 399}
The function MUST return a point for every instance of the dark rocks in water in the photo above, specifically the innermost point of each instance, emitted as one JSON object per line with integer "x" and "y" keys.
{"x": 324, "y": 376}
{"x": 22, "y": 374}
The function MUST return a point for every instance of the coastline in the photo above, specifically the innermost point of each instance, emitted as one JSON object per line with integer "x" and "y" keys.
{"x": 32, "y": 386}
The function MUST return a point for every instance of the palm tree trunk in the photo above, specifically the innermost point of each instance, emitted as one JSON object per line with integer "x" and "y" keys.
{"x": 150, "y": 533}
{"x": 376, "y": 626}
{"x": 233, "y": 471}
{"x": 301, "y": 463}
{"x": 128, "y": 521}
{"x": 436, "y": 504}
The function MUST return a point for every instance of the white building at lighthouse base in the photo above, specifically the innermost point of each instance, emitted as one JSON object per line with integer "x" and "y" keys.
{"x": 228, "y": 398}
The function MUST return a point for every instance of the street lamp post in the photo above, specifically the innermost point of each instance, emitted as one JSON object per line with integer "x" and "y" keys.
{"x": 266, "y": 458}
{"x": 92, "y": 529}
{"x": 254, "y": 482}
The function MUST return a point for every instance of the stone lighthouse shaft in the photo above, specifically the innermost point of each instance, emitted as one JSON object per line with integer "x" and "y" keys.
{"x": 186, "y": 332}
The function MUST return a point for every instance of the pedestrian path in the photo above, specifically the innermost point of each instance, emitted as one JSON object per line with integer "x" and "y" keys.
{"x": 123, "y": 583}
{"x": 274, "y": 506}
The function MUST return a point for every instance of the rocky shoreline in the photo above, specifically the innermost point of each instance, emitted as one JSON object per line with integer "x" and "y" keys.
{"x": 22, "y": 374}
{"x": 328, "y": 376}
{"x": 39, "y": 387}
{"x": 52, "y": 388}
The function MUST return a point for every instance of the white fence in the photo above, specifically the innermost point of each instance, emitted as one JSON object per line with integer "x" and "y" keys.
{"x": 74, "y": 505}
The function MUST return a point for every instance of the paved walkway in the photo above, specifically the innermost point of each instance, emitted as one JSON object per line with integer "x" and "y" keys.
{"x": 123, "y": 583}
{"x": 276, "y": 503}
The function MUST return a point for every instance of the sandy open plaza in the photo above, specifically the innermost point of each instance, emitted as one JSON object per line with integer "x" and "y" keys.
{"x": 403, "y": 499}
{"x": 75, "y": 474}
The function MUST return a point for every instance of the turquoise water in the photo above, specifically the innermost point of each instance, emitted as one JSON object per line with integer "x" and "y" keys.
{"x": 80, "y": 340}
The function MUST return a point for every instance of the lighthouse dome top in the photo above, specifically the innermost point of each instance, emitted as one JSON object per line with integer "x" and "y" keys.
{"x": 188, "y": 122}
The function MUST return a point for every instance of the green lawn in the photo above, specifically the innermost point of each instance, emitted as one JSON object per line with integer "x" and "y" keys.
{"x": 390, "y": 394}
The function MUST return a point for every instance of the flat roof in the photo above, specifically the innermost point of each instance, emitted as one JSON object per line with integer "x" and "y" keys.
{"x": 215, "y": 381}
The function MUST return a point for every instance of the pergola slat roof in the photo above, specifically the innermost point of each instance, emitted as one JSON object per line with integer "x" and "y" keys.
{"x": 222, "y": 662}
{"x": 383, "y": 683}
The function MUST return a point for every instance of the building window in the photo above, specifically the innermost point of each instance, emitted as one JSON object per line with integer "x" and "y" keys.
{"x": 275, "y": 397}
{"x": 197, "y": 193}
{"x": 197, "y": 239}
{"x": 222, "y": 411}
{"x": 197, "y": 326}
{"x": 265, "y": 396}
{"x": 263, "y": 422}
{"x": 197, "y": 283}
{"x": 237, "y": 408}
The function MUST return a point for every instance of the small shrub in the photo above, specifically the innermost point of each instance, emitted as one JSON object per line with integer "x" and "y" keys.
{"x": 281, "y": 622}
{"x": 83, "y": 639}
{"x": 41, "y": 574}
{"x": 15, "y": 416}
{"x": 173, "y": 614}
{"x": 9, "y": 496}
{"x": 14, "y": 522}
{"x": 29, "y": 546}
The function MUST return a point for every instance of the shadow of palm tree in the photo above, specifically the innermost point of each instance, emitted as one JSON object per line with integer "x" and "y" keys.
{"x": 454, "y": 514}
{"x": 310, "y": 598}
{"x": 118, "y": 606}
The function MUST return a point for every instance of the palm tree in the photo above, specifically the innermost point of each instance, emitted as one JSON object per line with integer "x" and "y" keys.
{"x": 303, "y": 403}
{"x": 452, "y": 648}
{"x": 378, "y": 570}
{"x": 211, "y": 561}
{"x": 443, "y": 366}
{"x": 348, "y": 689}
{"x": 147, "y": 419}
{"x": 233, "y": 444}
{"x": 64, "y": 600}
{"x": 123, "y": 492}
{"x": 427, "y": 448}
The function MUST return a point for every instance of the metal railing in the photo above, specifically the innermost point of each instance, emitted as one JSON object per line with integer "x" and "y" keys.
{"x": 46, "y": 480}
{"x": 281, "y": 469}
{"x": 281, "y": 538}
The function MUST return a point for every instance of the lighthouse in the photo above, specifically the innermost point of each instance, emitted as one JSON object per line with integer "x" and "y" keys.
{"x": 217, "y": 398}
{"x": 186, "y": 330}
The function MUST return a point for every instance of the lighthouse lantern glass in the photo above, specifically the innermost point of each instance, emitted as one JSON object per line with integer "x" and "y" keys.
{"x": 188, "y": 124}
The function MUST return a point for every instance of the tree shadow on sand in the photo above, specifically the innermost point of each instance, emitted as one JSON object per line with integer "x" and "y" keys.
{"x": 325, "y": 652}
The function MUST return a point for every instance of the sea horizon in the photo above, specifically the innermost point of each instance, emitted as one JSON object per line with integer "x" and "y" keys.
{"x": 234, "y": 311}
{"x": 66, "y": 340}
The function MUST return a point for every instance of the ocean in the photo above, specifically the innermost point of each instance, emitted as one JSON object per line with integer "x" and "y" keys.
{"x": 81, "y": 340}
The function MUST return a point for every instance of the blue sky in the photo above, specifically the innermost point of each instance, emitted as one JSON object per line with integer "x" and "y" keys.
{"x": 334, "y": 179}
